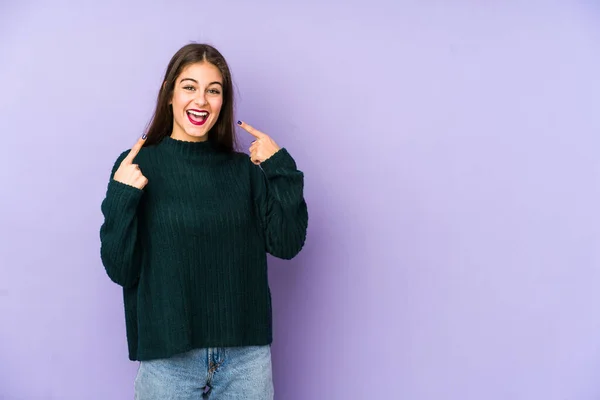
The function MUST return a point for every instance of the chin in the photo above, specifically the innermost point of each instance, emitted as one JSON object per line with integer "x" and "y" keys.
{"x": 197, "y": 131}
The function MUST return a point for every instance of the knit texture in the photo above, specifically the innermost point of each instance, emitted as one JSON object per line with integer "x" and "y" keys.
{"x": 190, "y": 249}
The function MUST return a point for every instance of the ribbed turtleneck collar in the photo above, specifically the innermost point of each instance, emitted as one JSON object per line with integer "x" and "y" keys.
{"x": 186, "y": 148}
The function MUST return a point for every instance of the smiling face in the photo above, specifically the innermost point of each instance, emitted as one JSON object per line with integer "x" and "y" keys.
{"x": 197, "y": 101}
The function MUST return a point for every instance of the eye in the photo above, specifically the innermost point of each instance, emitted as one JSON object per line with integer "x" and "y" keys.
{"x": 189, "y": 88}
{"x": 214, "y": 91}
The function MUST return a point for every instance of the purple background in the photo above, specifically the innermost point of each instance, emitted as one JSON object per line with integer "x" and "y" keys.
{"x": 452, "y": 174}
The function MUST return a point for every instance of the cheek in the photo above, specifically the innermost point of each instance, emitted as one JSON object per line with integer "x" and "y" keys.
{"x": 216, "y": 105}
{"x": 179, "y": 100}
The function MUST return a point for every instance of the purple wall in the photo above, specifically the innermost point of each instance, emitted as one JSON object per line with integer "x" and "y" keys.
{"x": 452, "y": 174}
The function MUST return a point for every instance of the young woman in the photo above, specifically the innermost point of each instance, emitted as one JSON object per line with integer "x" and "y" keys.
{"x": 188, "y": 223}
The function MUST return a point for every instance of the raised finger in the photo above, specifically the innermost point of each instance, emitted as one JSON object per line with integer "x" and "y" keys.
{"x": 134, "y": 151}
{"x": 251, "y": 130}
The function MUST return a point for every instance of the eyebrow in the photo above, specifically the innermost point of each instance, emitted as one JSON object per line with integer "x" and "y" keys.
{"x": 193, "y": 80}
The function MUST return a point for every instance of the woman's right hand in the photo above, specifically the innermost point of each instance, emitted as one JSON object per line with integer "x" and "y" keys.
{"x": 130, "y": 173}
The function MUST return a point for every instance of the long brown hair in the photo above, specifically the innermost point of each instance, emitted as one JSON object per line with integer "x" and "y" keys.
{"x": 161, "y": 124}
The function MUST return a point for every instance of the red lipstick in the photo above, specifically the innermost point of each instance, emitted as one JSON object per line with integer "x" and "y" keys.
{"x": 197, "y": 117}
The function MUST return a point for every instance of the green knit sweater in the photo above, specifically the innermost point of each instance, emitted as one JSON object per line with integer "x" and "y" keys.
{"x": 190, "y": 249}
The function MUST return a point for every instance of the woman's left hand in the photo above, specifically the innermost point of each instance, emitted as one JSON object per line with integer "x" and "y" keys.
{"x": 263, "y": 147}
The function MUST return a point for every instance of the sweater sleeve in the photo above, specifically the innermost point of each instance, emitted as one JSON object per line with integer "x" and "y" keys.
{"x": 281, "y": 204}
{"x": 119, "y": 249}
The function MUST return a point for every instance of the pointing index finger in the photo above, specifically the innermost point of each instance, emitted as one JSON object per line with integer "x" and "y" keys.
{"x": 134, "y": 151}
{"x": 254, "y": 132}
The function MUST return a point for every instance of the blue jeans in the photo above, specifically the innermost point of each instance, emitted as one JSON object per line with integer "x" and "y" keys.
{"x": 221, "y": 373}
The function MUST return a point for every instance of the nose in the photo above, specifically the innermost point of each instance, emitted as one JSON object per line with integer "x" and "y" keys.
{"x": 200, "y": 99}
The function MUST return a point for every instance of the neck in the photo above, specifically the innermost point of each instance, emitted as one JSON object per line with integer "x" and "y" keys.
{"x": 184, "y": 137}
{"x": 187, "y": 148}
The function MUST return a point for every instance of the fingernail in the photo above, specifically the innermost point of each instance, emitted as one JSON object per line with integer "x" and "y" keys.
{"x": 144, "y": 136}
{"x": 239, "y": 122}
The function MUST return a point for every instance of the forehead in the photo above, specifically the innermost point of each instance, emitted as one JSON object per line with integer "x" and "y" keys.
{"x": 202, "y": 72}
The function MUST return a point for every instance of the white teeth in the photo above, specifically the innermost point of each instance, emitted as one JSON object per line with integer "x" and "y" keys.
{"x": 198, "y": 114}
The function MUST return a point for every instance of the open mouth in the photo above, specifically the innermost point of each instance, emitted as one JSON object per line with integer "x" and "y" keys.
{"x": 197, "y": 117}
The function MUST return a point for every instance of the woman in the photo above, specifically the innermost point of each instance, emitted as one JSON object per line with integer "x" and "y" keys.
{"x": 188, "y": 223}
